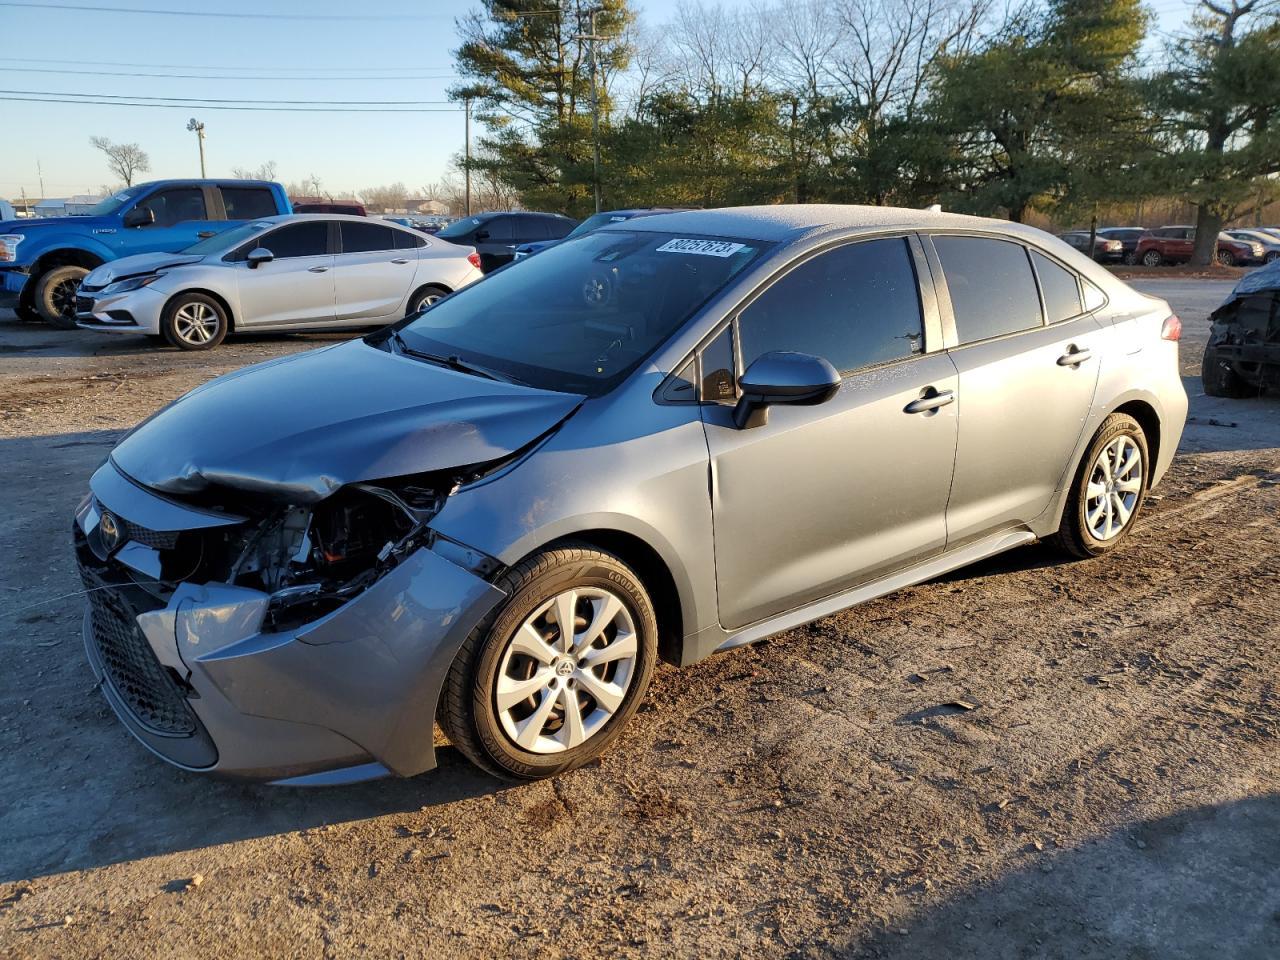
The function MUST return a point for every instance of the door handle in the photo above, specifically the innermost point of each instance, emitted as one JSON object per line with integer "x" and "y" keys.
{"x": 317, "y": 269}
{"x": 205, "y": 234}
{"x": 931, "y": 399}
{"x": 400, "y": 260}
{"x": 1074, "y": 356}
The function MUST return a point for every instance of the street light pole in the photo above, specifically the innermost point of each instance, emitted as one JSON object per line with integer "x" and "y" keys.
{"x": 591, "y": 37}
{"x": 198, "y": 127}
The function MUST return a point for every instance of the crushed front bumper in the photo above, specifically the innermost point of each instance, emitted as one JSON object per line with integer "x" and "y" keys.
{"x": 191, "y": 674}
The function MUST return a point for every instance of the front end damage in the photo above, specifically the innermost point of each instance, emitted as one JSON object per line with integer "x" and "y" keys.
{"x": 275, "y": 641}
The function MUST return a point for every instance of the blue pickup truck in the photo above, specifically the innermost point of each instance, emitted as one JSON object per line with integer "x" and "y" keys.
{"x": 43, "y": 261}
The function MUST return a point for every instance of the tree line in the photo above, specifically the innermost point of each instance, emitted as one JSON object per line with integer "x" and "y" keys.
{"x": 1055, "y": 107}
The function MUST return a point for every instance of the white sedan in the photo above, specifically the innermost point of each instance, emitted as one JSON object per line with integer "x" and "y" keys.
{"x": 288, "y": 273}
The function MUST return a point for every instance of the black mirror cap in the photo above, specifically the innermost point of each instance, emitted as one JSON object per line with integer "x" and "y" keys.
{"x": 258, "y": 256}
{"x": 783, "y": 377}
{"x": 140, "y": 217}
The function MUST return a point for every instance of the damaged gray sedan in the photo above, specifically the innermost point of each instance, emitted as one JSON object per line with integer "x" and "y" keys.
{"x": 670, "y": 437}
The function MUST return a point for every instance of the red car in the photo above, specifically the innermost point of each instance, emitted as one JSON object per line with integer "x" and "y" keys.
{"x": 1176, "y": 244}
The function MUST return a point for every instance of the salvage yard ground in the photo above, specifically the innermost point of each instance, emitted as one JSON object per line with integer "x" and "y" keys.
{"x": 1109, "y": 787}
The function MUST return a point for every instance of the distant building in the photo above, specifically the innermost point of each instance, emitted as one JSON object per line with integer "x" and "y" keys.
{"x": 75, "y": 206}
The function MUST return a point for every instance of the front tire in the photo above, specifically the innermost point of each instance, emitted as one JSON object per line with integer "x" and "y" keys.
{"x": 194, "y": 321}
{"x": 526, "y": 700}
{"x": 1109, "y": 488}
{"x": 1152, "y": 258}
{"x": 55, "y": 298}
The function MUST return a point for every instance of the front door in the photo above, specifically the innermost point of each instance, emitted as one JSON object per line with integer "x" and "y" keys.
{"x": 822, "y": 498}
{"x": 1026, "y": 385}
{"x": 181, "y": 219}
{"x": 296, "y": 287}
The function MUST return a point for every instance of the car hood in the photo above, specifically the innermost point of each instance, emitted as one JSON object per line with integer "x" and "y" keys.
{"x": 298, "y": 428}
{"x": 137, "y": 265}
{"x": 61, "y": 223}
{"x": 1256, "y": 281}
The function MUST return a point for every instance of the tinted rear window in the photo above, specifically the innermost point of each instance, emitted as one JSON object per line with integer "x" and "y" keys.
{"x": 366, "y": 237}
{"x": 1059, "y": 288}
{"x": 992, "y": 288}
{"x": 248, "y": 203}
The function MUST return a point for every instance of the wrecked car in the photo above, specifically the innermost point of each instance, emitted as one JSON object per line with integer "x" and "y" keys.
{"x": 1242, "y": 357}
{"x": 672, "y": 436}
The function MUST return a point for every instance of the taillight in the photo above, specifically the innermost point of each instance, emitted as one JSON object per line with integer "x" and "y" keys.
{"x": 1172, "y": 328}
{"x": 473, "y": 258}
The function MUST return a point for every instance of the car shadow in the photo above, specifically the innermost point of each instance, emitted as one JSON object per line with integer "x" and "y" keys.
{"x": 1223, "y": 424}
{"x": 1203, "y": 882}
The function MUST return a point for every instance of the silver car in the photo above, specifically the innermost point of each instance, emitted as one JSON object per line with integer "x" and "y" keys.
{"x": 670, "y": 437}
{"x": 295, "y": 272}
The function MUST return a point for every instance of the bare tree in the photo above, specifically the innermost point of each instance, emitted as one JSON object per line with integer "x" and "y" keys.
{"x": 386, "y": 199}
{"x": 123, "y": 159}
{"x": 265, "y": 171}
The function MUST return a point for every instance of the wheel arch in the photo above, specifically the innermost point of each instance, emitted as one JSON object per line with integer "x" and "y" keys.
{"x": 204, "y": 291}
{"x": 1149, "y": 420}
{"x": 66, "y": 257}
{"x": 654, "y": 574}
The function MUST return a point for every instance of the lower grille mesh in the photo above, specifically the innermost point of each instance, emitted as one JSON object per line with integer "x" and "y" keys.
{"x": 135, "y": 674}
{"x": 155, "y": 539}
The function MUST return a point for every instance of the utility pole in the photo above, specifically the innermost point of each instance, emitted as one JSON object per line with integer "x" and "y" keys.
{"x": 40, "y": 174}
{"x": 591, "y": 37}
{"x": 467, "y": 168}
{"x": 198, "y": 127}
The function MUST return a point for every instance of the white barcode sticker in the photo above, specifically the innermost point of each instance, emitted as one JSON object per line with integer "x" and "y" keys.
{"x": 705, "y": 248}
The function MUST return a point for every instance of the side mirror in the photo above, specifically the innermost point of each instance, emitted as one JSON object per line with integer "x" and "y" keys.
{"x": 140, "y": 217}
{"x": 482, "y": 234}
{"x": 258, "y": 256}
{"x": 782, "y": 377}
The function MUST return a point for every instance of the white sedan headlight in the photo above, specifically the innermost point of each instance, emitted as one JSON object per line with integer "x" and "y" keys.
{"x": 131, "y": 283}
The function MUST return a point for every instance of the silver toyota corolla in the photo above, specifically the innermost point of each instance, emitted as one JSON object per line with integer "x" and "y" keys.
{"x": 295, "y": 272}
{"x": 670, "y": 437}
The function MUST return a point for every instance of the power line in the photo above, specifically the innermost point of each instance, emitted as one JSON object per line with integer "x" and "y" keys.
{"x": 213, "y": 66}
{"x": 86, "y": 8}
{"x": 214, "y": 106}
{"x": 201, "y": 101}
{"x": 215, "y": 76}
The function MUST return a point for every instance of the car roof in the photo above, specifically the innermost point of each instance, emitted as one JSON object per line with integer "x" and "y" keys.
{"x": 785, "y": 222}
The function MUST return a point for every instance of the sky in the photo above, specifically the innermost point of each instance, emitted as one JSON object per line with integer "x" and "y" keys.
{"x": 305, "y": 50}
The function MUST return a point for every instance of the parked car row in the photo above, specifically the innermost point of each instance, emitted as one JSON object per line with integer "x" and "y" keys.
{"x": 1175, "y": 244}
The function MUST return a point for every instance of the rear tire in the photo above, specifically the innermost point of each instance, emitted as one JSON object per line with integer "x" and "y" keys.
{"x": 1152, "y": 258}
{"x": 519, "y": 649}
{"x": 1106, "y": 487}
{"x": 194, "y": 321}
{"x": 1225, "y": 259}
{"x": 1220, "y": 379}
{"x": 424, "y": 298}
{"x": 56, "y": 291}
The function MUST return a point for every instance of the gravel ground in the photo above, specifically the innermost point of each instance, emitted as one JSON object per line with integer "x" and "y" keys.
{"x": 1114, "y": 792}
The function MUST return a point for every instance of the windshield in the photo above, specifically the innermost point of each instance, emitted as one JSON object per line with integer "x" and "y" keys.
{"x": 110, "y": 205}
{"x": 595, "y": 222}
{"x": 460, "y": 227}
{"x": 584, "y": 314}
{"x": 228, "y": 239}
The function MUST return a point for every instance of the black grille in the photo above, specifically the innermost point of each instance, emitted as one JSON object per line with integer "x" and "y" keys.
{"x": 155, "y": 539}
{"x": 133, "y": 671}
{"x": 84, "y": 304}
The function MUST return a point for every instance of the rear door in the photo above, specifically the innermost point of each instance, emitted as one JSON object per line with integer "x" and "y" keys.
{"x": 296, "y": 287}
{"x": 822, "y": 498}
{"x": 373, "y": 277}
{"x": 1028, "y": 358}
{"x": 248, "y": 202}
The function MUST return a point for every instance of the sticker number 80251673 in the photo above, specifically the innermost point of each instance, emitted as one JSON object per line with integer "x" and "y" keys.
{"x": 706, "y": 248}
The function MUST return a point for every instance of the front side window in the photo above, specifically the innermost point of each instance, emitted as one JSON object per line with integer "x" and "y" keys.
{"x": 719, "y": 382}
{"x": 460, "y": 228}
{"x": 1059, "y": 288}
{"x": 557, "y": 227}
{"x": 581, "y": 316}
{"x": 175, "y": 206}
{"x": 993, "y": 291}
{"x": 364, "y": 237}
{"x": 498, "y": 230}
{"x": 854, "y": 306}
{"x": 308, "y": 239}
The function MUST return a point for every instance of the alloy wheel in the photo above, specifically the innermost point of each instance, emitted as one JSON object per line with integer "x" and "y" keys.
{"x": 566, "y": 671}
{"x": 1115, "y": 482}
{"x": 195, "y": 323}
{"x": 64, "y": 295}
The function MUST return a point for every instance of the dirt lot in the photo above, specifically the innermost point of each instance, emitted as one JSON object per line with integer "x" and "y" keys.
{"x": 1115, "y": 792}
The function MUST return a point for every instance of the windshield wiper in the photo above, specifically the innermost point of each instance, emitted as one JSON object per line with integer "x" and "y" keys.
{"x": 455, "y": 362}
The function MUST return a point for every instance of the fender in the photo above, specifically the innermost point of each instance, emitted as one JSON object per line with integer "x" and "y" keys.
{"x": 61, "y": 242}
